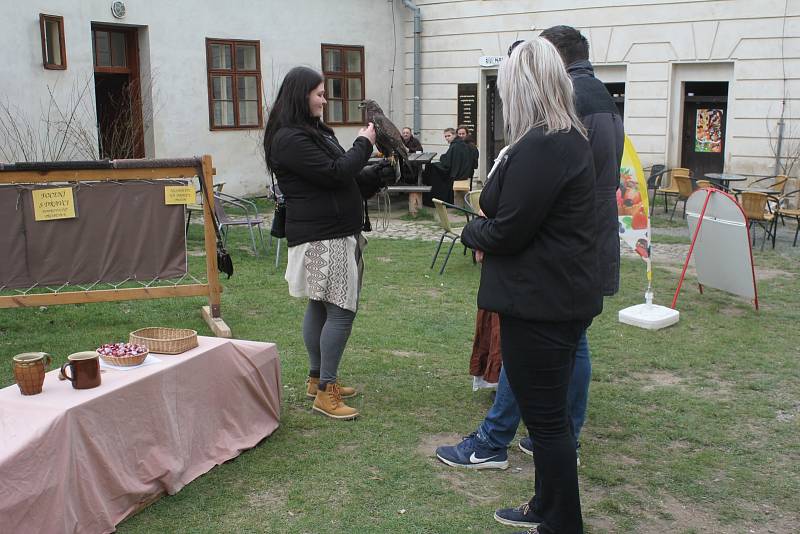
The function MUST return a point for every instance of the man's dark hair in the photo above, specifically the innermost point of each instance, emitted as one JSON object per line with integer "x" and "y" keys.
{"x": 571, "y": 45}
{"x": 291, "y": 107}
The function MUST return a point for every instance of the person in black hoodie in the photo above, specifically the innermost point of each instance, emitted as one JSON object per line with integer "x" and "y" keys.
{"x": 323, "y": 186}
{"x": 537, "y": 243}
{"x": 455, "y": 164}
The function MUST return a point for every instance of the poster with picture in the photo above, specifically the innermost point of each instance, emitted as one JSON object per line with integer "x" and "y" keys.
{"x": 708, "y": 131}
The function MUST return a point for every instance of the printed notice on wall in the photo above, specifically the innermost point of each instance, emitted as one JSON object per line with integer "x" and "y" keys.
{"x": 468, "y": 107}
{"x": 708, "y": 131}
{"x": 53, "y": 203}
{"x": 179, "y": 194}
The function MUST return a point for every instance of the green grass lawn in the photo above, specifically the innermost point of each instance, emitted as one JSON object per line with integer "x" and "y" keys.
{"x": 695, "y": 428}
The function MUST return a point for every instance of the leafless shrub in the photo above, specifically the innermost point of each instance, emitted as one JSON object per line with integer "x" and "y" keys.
{"x": 63, "y": 131}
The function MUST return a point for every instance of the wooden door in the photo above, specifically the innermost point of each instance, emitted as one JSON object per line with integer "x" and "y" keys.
{"x": 704, "y": 125}
{"x": 118, "y": 92}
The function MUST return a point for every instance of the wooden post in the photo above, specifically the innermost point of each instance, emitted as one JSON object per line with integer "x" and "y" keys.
{"x": 414, "y": 202}
{"x": 211, "y": 313}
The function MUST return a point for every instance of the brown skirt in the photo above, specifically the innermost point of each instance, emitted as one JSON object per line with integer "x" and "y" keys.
{"x": 486, "y": 360}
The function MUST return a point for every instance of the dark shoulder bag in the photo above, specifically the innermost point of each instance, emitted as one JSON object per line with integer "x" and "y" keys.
{"x": 224, "y": 261}
{"x": 278, "y": 228}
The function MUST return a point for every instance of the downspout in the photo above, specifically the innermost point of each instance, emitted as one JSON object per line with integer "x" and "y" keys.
{"x": 417, "y": 80}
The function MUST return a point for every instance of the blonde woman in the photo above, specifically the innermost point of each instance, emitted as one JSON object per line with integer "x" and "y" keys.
{"x": 537, "y": 245}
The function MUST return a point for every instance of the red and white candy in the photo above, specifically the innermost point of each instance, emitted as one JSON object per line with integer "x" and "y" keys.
{"x": 121, "y": 349}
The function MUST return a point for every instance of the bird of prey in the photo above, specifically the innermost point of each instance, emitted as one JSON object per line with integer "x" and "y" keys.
{"x": 387, "y": 136}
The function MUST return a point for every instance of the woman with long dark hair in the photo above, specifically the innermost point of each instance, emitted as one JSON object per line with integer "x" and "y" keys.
{"x": 320, "y": 182}
{"x": 540, "y": 268}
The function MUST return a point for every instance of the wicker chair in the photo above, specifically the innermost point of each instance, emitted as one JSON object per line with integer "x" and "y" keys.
{"x": 671, "y": 189}
{"x": 777, "y": 183}
{"x": 453, "y": 234}
{"x": 756, "y": 209}
{"x": 685, "y": 190}
{"x": 471, "y": 200}
{"x": 784, "y": 211}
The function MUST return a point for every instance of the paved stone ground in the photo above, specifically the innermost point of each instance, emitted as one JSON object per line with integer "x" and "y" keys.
{"x": 426, "y": 228}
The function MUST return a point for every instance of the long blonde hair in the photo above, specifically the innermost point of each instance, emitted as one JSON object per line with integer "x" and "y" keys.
{"x": 536, "y": 91}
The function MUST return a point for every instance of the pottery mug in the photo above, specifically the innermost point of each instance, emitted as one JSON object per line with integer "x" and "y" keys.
{"x": 29, "y": 370}
{"x": 85, "y": 370}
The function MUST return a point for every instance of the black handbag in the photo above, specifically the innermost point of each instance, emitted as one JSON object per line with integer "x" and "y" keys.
{"x": 224, "y": 261}
{"x": 278, "y": 228}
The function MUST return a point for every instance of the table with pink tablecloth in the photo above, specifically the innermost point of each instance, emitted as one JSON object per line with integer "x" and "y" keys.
{"x": 83, "y": 460}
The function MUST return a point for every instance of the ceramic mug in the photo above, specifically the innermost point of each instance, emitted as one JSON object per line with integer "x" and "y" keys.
{"x": 29, "y": 370}
{"x": 85, "y": 367}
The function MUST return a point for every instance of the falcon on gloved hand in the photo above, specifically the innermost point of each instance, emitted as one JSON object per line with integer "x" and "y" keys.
{"x": 387, "y": 136}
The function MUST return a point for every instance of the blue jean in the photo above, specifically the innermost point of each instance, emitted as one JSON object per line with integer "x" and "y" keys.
{"x": 500, "y": 425}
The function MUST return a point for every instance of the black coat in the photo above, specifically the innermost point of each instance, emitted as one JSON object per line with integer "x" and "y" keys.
{"x": 318, "y": 179}
{"x": 540, "y": 231}
{"x": 413, "y": 145}
{"x": 601, "y": 118}
{"x": 456, "y": 163}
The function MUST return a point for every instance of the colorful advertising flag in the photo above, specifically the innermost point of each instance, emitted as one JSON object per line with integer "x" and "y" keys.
{"x": 633, "y": 205}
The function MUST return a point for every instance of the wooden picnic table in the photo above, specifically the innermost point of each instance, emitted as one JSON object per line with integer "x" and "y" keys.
{"x": 418, "y": 160}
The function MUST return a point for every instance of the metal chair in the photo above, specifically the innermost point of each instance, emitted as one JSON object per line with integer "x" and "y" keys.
{"x": 654, "y": 182}
{"x": 248, "y": 217}
{"x": 198, "y": 205}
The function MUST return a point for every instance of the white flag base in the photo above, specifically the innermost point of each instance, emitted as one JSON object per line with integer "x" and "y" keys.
{"x": 649, "y": 316}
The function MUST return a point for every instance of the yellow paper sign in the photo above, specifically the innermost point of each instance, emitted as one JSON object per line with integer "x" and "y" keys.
{"x": 53, "y": 203}
{"x": 179, "y": 194}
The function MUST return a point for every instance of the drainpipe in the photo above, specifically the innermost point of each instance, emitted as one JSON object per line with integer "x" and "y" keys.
{"x": 417, "y": 80}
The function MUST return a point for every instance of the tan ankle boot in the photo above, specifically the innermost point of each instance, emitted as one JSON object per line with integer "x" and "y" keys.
{"x": 330, "y": 403}
{"x": 311, "y": 389}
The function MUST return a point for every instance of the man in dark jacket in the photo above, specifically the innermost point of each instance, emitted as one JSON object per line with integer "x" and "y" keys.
{"x": 411, "y": 142}
{"x": 486, "y": 448}
{"x": 455, "y": 164}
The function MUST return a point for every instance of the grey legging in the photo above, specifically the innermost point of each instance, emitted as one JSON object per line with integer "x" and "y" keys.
{"x": 326, "y": 328}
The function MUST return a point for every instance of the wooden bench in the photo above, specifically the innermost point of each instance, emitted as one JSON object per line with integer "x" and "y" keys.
{"x": 414, "y": 195}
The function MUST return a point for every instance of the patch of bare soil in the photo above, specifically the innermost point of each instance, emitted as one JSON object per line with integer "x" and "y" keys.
{"x": 407, "y": 353}
{"x": 480, "y": 487}
{"x": 271, "y": 499}
{"x": 196, "y": 252}
{"x": 763, "y": 273}
{"x": 657, "y": 379}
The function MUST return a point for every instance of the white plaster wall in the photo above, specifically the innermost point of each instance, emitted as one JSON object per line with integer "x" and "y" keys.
{"x": 172, "y": 46}
{"x": 646, "y": 37}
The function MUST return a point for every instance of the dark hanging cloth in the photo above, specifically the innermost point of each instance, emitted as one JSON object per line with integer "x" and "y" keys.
{"x": 487, "y": 359}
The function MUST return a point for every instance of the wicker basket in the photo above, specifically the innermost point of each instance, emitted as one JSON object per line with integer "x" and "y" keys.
{"x": 165, "y": 340}
{"x": 124, "y": 361}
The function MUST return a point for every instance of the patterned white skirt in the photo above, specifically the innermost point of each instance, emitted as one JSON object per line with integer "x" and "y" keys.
{"x": 329, "y": 270}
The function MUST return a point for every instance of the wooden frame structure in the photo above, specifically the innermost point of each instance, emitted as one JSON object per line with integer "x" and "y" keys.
{"x": 150, "y": 170}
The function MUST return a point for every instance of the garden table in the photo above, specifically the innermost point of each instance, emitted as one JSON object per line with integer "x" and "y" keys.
{"x": 83, "y": 460}
{"x": 724, "y": 178}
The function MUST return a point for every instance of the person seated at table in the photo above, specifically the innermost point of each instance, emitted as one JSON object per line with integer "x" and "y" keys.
{"x": 455, "y": 164}
{"x": 411, "y": 142}
{"x": 464, "y": 133}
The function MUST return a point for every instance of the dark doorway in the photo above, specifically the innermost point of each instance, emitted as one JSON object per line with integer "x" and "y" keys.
{"x": 705, "y": 113}
{"x": 617, "y": 91}
{"x": 495, "y": 129}
{"x": 117, "y": 92}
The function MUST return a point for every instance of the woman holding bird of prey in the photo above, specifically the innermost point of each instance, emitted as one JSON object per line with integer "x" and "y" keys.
{"x": 323, "y": 185}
